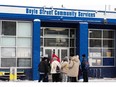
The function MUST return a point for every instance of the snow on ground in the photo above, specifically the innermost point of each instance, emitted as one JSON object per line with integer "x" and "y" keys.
{"x": 81, "y": 80}
{"x": 103, "y": 80}
{"x": 93, "y": 82}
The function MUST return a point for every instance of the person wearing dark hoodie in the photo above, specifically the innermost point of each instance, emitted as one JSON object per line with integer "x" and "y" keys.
{"x": 43, "y": 70}
{"x": 85, "y": 68}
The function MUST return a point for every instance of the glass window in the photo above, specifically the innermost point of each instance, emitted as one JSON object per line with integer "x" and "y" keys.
{"x": 41, "y": 51}
{"x": 108, "y": 53}
{"x": 49, "y": 52}
{"x": 56, "y": 42}
{"x": 50, "y": 31}
{"x": 56, "y": 32}
{"x": 108, "y": 43}
{"x": 24, "y": 53}
{"x": 64, "y": 32}
{"x": 72, "y": 43}
{"x": 24, "y": 62}
{"x": 108, "y": 34}
{"x": 8, "y": 62}
{"x": 41, "y": 30}
{"x": 15, "y": 42}
{"x": 101, "y": 46}
{"x": 24, "y": 29}
{"x": 72, "y": 33}
{"x": 41, "y": 41}
{"x": 8, "y": 52}
{"x": 24, "y": 42}
{"x": 8, "y": 28}
{"x": 95, "y": 43}
{"x": 63, "y": 53}
{"x": 95, "y": 33}
{"x": 99, "y": 50}
{"x": 8, "y": 41}
{"x": 97, "y": 62}
{"x": 49, "y": 42}
{"x": 72, "y": 51}
{"x": 95, "y": 53}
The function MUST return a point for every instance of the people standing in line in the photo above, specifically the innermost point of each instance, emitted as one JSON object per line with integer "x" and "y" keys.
{"x": 55, "y": 75}
{"x": 68, "y": 77}
{"x": 74, "y": 68}
{"x": 49, "y": 66}
{"x": 85, "y": 68}
{"x": 43, "y": 70}
{"x": 64, "y": 69}
{"x": 48, "y": 61}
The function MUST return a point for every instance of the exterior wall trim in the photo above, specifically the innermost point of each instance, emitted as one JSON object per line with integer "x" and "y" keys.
{"x": 36, "y": 49}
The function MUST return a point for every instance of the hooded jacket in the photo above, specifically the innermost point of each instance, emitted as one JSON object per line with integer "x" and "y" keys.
{"x": 54, "y": 64}
{"x": 64, "y": 67}
{"x": 74, "y": 66}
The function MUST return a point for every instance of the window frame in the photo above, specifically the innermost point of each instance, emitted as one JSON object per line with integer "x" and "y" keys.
{"x": 102, "y": 47}
{"x": 16, "y": 38}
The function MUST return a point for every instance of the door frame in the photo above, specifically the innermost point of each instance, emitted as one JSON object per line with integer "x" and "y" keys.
{"x": 56, "y": 50}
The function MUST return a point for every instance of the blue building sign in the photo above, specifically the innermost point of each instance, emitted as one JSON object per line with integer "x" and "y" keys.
{"x": 59, "y": 12}
{"x": 86, "y": 14}
{"x": 32, "y": 11}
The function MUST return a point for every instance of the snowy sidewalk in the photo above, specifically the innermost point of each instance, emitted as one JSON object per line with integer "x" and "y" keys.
{"x": 102, "y": 80}
{"x": 81, "y": 80}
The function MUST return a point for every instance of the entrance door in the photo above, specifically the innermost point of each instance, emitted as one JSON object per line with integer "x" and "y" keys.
{"x": 60, "y": 52}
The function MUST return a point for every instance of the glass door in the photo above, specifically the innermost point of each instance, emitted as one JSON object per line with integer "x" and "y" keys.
{"x": 57, "y": 51}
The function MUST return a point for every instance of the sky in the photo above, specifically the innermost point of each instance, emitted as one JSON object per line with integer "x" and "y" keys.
{"x": 71, "y": 4}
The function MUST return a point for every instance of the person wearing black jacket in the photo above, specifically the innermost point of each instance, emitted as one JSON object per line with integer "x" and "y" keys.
{"x": 85, "y": 68}
{"x": 43, "y": 70}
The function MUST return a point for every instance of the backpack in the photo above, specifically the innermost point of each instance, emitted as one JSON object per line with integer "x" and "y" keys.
{"x": 57, "y": 69}
{"x": 86, "y": 65}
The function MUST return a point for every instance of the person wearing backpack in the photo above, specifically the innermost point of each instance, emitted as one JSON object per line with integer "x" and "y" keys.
{"x": 55, "y": 70}
{"x": 85, "y": 68}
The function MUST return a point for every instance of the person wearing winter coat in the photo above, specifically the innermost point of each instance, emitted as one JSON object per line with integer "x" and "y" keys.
{"x": 43, "y": 70}
{"x": 64, "y": 69}
{"x": 54, "y": 72}
{"x": 68, "y": 77}
{"x": 85, "y": 68}
{"x": 74, "y": 68}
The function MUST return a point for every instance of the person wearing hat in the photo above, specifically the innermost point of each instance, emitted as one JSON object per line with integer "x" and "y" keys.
{"x": 55, "y": 74}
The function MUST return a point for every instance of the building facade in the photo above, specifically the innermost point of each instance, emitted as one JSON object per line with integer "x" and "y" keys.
{"x": 27, "y": 33}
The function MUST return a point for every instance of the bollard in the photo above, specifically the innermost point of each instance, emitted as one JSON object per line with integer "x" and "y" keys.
{"x": 2, "y": 73}
{"x": 13, "y": 74}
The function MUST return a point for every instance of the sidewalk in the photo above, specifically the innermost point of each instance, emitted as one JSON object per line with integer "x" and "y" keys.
{"x": 80, "y": 81}
{"x": 102, "y": 80}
